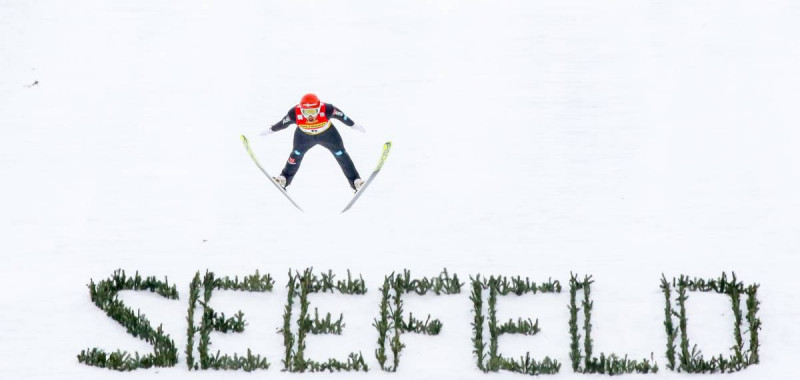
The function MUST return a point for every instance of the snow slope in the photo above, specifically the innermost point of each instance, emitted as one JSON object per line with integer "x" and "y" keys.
{"x": 620, "y": 139}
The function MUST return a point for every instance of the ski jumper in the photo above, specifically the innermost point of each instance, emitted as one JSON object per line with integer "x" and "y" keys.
{"x": 319, "y": 132}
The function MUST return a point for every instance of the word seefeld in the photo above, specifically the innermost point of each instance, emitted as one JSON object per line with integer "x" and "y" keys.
{"x": 392, "y": 323}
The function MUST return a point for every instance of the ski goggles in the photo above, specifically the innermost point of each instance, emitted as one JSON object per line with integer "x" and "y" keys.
{"x": 309, "y": 111}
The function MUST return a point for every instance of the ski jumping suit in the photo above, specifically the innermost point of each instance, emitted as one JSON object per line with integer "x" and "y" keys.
{"x": 321, "y": 131}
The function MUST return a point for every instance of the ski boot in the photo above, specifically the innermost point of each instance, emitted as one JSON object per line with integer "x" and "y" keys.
{"x": 281, "y": 181}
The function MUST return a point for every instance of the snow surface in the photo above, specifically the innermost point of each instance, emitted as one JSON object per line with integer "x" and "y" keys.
{"x": 622, "y": 139}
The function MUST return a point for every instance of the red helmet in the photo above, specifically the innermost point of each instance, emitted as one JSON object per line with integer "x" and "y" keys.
{"x": 309, "y": 101}
{"x": 309, "y": 106}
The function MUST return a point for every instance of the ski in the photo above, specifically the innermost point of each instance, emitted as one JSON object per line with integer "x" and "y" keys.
{"x": 269, "y": 177}
{"x": 386, "y": 147}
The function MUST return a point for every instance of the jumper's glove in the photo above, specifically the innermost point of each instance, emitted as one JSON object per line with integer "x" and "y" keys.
{"x": 267, "y": 132}
{"x": 359, "y": 128}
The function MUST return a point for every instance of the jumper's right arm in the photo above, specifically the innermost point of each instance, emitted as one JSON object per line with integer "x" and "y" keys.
{"x": 289, "y": 119}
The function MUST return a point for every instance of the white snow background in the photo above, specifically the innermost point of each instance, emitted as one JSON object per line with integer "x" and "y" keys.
{"x": 622, "y": 139}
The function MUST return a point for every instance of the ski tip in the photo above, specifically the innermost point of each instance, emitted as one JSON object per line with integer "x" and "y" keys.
{"x": 244, "y": 139}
